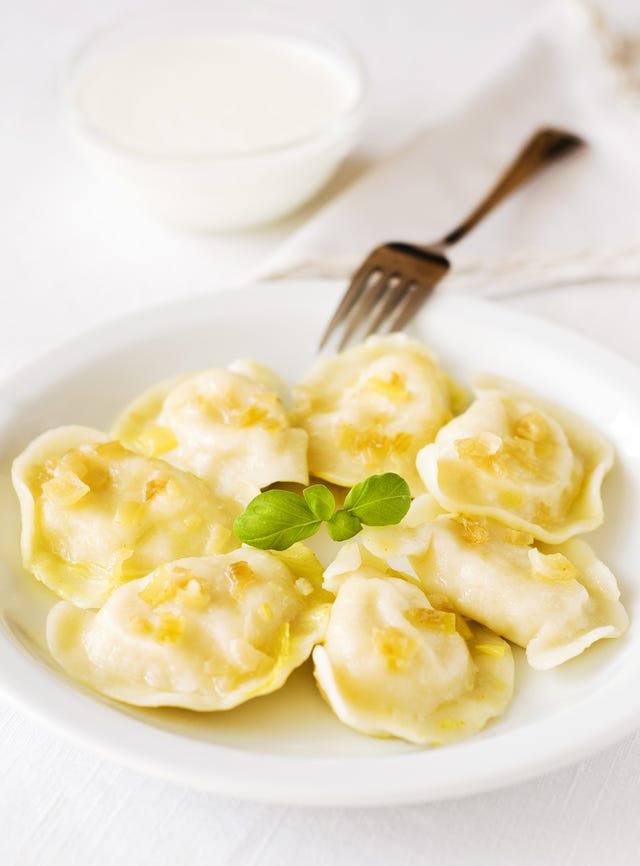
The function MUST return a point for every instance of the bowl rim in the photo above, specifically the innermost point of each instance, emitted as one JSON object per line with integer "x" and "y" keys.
{"x": 316, "y": 33}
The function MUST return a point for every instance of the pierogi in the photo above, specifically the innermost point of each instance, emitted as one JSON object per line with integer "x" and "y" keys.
{"x": 370, "y": 410}
{"x": 516, "y": 458}
{"x": 139, "y": 526}
{"x": 202, "y": 633}
{"x": 227, "y": 426}
{"x": 95, "y": 515}
{"x": 392, "y": 665}
{"x": 553, "y": 600}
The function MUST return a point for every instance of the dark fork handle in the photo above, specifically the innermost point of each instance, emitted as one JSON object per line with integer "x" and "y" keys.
{"x": 541, "y": 150}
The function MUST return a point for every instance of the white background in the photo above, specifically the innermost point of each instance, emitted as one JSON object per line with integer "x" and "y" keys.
{"x": 71, "y": 257}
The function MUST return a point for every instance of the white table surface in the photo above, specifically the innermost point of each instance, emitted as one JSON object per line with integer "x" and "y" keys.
{"x": 71, "y": 257}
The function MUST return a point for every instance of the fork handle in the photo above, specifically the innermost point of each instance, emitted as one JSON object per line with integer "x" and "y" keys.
{"x": 544, "y": 148}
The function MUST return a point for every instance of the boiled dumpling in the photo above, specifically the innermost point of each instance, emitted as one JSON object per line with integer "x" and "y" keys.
{"x": 228, "y": 426}
{"x": 554, "y": 601}
{"x": 201, "y": 633}
{"x": 370, "y": 409}
{"x": 95, "y": 514}
{"x": 524, "y": 462}
{"x": 392, "y": 665}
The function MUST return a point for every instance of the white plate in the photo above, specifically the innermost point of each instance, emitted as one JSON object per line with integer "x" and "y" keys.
{"x": 288, "y": 747}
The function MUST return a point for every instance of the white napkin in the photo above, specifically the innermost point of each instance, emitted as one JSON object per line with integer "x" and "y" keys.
{"x": 579, "y": 220}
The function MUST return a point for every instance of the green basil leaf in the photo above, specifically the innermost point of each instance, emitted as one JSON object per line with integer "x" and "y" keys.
{"x": 320, "y": 500}
{"x": 379, "y": 500}
{"x": 343, "y": 525}
{"x": 274, "y": 520}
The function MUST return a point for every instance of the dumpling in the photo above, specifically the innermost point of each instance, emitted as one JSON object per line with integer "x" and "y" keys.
{"x": 201, "y": 633}
{"x": 95, "y": 515}
{"x": 520, "y": 460}
{"x": 554, "y": 601}
{"x": 392, "y": 665}
{"x": 370, "y": 410}
{"x": 227, "y": 426}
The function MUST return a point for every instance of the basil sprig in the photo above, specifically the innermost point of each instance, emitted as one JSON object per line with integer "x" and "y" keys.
{"x": 276, "y": 519}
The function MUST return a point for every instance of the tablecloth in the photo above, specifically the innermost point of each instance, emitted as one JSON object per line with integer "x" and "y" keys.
{"x": 71, "y": 258}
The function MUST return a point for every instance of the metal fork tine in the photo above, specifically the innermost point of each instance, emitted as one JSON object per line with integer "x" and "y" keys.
{"x": 394, "y": 296}
{"x": 411, "y": 303}
{"x": 419, "y": 267}
{"x": 367, "y": 301}
{"x": 359, "y": 283}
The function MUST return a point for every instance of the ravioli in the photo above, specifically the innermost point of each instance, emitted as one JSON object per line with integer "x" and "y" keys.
{"x": 520, "y": 460}
{"x": 95, "y": 515}
{"x": 393, "y": 665}
{"x": 554, "y": 601}
{"x": 227, "y": 426}
{"x": 370, "y": 410}
{"x": 204, "y": 633}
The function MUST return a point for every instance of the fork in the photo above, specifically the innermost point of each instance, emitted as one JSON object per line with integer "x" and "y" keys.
{"x": 396, "y": 278}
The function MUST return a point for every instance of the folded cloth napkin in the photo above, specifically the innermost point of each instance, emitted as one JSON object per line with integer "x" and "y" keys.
{"x": 579, "y": 220}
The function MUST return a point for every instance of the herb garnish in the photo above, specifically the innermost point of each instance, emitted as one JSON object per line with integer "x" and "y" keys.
{"x": 276, "y": 519}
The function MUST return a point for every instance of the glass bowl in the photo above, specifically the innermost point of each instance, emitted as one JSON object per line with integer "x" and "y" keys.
{"x": 228, "y": 189}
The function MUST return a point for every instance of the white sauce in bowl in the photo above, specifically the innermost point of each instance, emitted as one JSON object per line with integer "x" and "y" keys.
{"x": 215, "y": 94}
{"x": 216, "y": 124}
